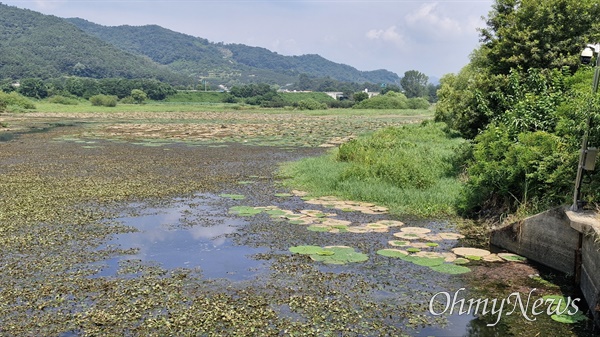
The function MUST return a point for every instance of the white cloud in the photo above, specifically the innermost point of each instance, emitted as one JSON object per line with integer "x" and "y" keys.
{"x": 427, "y": 22}
{"x": 48, "y": 4}
{"x": 388, "y": 35}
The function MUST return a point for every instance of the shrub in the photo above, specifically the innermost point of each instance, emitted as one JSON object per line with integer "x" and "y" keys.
{"x": 127, "y": 100}
{"x": 418, "y": 103}
{"x": 14, "y": 101}
{"x": 104, "y": 100}
{"x": 391, "y": 100}
{"x": 138, "y": 96}
{"x": 58, "y": 99}
{"x": 310, "y": 104}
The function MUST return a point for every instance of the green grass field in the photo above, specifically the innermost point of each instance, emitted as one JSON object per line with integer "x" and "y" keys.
{"x": 407, "y": 169}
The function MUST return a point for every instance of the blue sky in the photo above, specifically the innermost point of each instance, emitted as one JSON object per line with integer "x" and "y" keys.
{"x": 434, "y": 37}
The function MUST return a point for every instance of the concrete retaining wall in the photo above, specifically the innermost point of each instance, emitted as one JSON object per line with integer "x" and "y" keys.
{"x": 562, "y": 240}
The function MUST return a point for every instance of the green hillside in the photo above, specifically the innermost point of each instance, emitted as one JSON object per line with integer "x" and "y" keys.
{"x": 225, "y": 63}
{"x": 44, "y": 46}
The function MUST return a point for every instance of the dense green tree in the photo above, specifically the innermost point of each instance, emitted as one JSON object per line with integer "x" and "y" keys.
{"x": 360, "y": 96}
{"x": 390, "y": 87}
{"x": 138, "y": 96}
{"x": 33, "y": 87}
{"x": 539, "y": 34}
{"x": 524, "y": 100}
{"x": 414, "y": 84}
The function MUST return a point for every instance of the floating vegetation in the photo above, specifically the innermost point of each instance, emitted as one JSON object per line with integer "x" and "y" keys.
{"x": 244, "y": 210}
{"x": 233, "y": 196}
{"x": 451, "y": 236}
{"x": 472, "y": 252}
{"x": 283, "y": 195}
{"x": 331, "y": 254}
{"x": 348, "y": 206}
{"x": 399, "y": 243}
{"x": 512, "y": 257}
{"x": 427, "y": 261}
{"x": 392, "y": 253}
{"x": 432, "y": 244}
{"x": 415, "y": 230}
{"x": 561, "y": 307}
{"x": 452, "y": 269}
{"x": 413, "y": 250}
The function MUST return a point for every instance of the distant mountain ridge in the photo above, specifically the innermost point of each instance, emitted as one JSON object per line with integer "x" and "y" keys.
{"x": 224, "y": 62}
{"x": 37, "y": 45}
{"x": 45, "y": 46}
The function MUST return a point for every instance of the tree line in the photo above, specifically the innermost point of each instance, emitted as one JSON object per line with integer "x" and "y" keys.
{"x": 523, "y": 100}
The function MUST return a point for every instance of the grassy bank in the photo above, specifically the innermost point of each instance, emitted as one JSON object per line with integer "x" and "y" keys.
{"x": 408, "y": 169}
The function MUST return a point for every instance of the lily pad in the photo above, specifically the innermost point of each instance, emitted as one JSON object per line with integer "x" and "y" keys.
{"x": 283, "y": 195}
{"x": 391, "y": 223}
{"x": 560, "y": 306}
{"x": 399, "y": 243}
{"x": 308, "y": 250}
{"x": 331, "y": 254}
{"x": 275, "y": 212}
{"x": 244, "y": 210}
{"x": 413, "y": 250}
{"x": 450, "y": 268}
{"x": 461, "y": 260}
{"x": 392, "y": 252}
{"x": 464, "y": 251}
{"x": 431, "y": 244}
{"x": 451, "y": 236}
{"x": 415, "y": 230}
{"x": 512, "y": 257}
{"x": 408, "y": 236}
{"x": 428, "y": 261}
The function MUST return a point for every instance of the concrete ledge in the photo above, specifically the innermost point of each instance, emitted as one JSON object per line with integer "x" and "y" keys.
{"x": 546, "y": 238}
{"x": 563, "y": 240}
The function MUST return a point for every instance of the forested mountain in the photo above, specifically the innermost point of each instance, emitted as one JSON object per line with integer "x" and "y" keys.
{"x": 44, "y": 46}
{"x": 225, "y": 63}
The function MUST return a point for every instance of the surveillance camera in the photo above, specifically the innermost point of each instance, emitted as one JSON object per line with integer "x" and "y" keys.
{"x": 586, "y": 55}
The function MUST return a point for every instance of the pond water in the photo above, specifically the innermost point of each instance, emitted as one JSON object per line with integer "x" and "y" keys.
{"x": 200, "y": 233}
{"x": 190, "y": 235}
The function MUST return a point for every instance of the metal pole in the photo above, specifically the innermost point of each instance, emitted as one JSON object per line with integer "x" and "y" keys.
{"x": 584, "y": 142}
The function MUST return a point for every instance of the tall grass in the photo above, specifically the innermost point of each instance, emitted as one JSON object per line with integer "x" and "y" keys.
{"x": 409, "y": 169}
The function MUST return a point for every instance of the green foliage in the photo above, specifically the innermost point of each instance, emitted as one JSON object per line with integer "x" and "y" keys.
{"x": 310, "y": 104}
{"x": 104, "y": 100}
{"x": 391, "y": 100}
{"x": 407, "y": 169}
{"x": 197, "y": 97}
{"x": 532, "y": 34}
{"x": 229, "y": 64}
{"x": 360, "y": 96}
{"x": 418, "y": 103}
{"x": 534, "y": 171}
{"x": 138, "y": 96}
{"x": 14, "y": 101}
{"x": 465, "y": 100}
{"x": 414, "y": 84}
{"x": 33, "y": 45}
{"x": 57, "y": 99}
{"x": 390, "y": 87}
{"x": 33, "y": 87}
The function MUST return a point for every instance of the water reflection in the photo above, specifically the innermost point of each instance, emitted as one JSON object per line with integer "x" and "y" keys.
{"x": 188, "y": 235}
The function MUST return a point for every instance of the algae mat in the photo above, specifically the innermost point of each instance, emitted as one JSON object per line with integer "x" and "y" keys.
{"x": 60, "y": 204}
